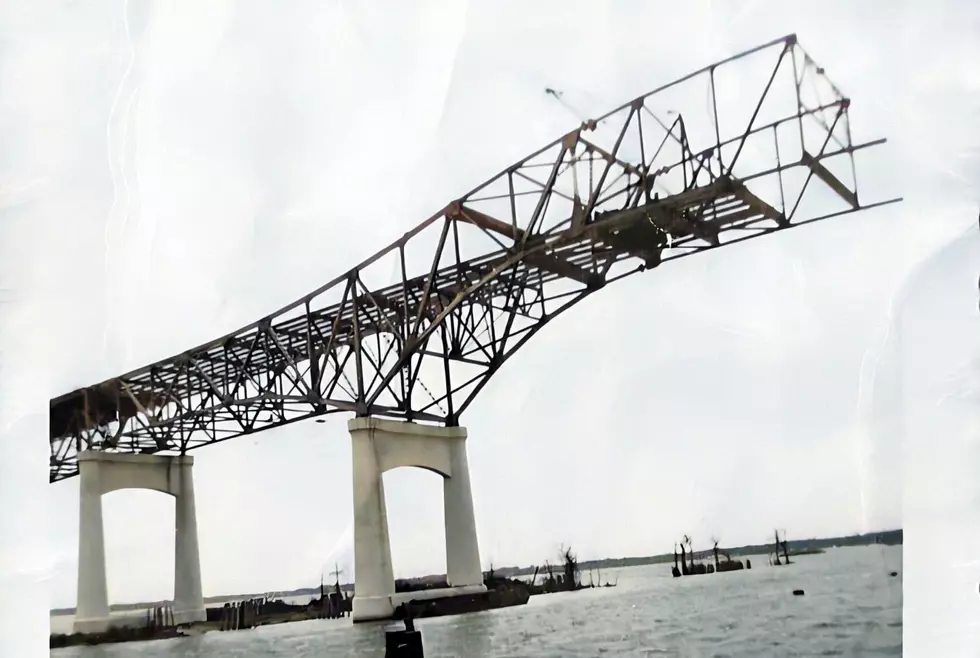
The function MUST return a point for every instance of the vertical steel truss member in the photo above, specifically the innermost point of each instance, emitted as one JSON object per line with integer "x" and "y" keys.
{"x": 642, "y": 185}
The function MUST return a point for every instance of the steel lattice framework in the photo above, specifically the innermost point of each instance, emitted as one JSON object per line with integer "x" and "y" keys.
{"x": 624, "y": 193}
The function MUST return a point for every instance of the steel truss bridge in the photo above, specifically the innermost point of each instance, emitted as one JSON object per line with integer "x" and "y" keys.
{"x": 642, "y": 185}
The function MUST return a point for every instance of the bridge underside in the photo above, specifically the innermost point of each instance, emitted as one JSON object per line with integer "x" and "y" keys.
{"x": 640, "y": 186}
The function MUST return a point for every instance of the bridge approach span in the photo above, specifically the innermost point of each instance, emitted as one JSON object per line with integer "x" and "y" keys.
{"x": 749, "y": 146}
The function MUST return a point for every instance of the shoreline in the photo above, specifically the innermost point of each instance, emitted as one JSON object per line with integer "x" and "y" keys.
{"x": 885, "y": 537}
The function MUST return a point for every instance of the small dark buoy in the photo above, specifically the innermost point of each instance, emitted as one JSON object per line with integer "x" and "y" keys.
{"x": 893, "y": 574}
{"x": 404, "y": 643}
{"x": 797, "y": 592}
{"x": 748, "y": 564}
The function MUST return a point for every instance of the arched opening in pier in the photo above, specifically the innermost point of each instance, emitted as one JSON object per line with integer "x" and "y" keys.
{"x": 139, "y": 528}
{"x": 416, "y": 522}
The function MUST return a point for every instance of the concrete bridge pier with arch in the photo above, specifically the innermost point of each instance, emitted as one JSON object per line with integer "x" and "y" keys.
{"x": 382, "y": 445}
{"x": 103, "y": 472}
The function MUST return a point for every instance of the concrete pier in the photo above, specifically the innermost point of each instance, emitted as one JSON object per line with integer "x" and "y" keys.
{"x": 103, "y": 472}
{"x": 382, "y": 445}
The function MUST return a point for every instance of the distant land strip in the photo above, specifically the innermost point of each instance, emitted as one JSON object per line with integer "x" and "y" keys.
{"x": 885, "y": 537}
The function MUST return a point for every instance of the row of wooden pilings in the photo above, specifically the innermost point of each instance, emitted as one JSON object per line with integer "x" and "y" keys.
{"x": 250, "y": 613}
{"x": 241, "y": 614}
{"x": 253, "y": 612}
{"x": 160, "y": 617}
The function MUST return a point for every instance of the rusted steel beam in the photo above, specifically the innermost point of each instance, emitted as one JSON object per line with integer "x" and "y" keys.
{"x": 831, "y": 181}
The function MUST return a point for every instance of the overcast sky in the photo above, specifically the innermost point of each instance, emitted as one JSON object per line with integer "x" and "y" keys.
{"x": 170, "y": 172}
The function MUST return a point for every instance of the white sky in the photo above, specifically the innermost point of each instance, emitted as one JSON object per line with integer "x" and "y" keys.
{"x": 161, "y": 188}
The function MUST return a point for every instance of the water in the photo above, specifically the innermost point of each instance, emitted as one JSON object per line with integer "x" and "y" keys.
{"x": 851, "y": 608}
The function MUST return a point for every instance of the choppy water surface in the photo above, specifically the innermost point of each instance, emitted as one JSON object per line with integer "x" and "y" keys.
{"x": 851, "y": 608}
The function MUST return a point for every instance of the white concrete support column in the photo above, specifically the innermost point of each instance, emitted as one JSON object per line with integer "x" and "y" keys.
{"x": 103, "y": 472}
{"x": 374, "y": 580}
{"x": 188, "y": 593}
{"x": 92, "y": 606}
{"x": 379, "y": 446}
{"x": 462, "y": 548}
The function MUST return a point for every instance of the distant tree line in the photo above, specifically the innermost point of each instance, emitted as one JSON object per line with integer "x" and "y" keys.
{"x": 887, "y": 537}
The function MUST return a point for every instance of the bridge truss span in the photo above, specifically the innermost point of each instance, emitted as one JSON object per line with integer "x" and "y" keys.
{"x": 416, "y": 331}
